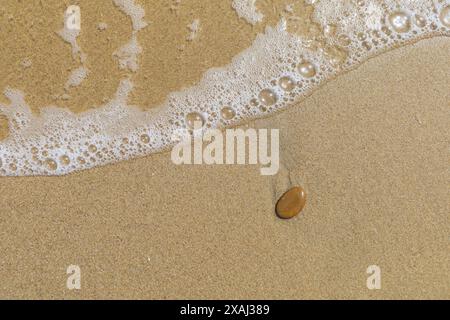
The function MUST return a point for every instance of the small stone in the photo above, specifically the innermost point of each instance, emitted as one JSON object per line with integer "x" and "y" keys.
{"x": 291, "y": 203}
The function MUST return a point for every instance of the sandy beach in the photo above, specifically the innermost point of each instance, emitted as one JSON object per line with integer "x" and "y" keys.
{"x": 371, "y": 149}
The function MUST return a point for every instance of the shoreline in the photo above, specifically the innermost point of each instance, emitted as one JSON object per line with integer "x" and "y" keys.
{"x": 370, "y": 150}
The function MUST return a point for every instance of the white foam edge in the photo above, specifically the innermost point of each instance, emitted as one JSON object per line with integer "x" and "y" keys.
{"x": 61, "y": 132}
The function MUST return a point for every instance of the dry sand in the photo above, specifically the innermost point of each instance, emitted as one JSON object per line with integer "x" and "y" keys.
{"x": 371, "y": 148}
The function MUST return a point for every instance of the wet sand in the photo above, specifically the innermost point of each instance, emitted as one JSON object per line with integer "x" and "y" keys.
{"x": 371, "y": 150}
{"x": 170, "y": 62}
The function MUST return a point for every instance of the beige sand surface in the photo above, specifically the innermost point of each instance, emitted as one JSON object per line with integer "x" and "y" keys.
{"x": 371, "y": 149}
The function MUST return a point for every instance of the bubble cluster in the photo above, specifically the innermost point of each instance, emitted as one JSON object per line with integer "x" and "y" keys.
{"x": 280, "y": 68}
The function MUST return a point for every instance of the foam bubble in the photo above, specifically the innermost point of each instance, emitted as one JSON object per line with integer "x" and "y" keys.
{"x": 400, "y": 21}
{"x": 193, "y": 119}
{"x": 26, "y": 63}
{"x": 307, "y": 69}
{"x": 445, "y": 16}
{"x": 278, "y": 69}
{"x": 227, "y": 113}
{"x": 268, "y": 97}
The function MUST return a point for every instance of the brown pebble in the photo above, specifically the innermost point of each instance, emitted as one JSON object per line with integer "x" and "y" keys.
{"x": 291, "y": 203}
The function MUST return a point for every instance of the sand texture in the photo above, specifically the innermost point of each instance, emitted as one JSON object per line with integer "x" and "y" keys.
{"x": 371, "y": 149}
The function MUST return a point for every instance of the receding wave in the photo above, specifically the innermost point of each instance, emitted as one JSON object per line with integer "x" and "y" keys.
{"x": 313, "y": 42}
